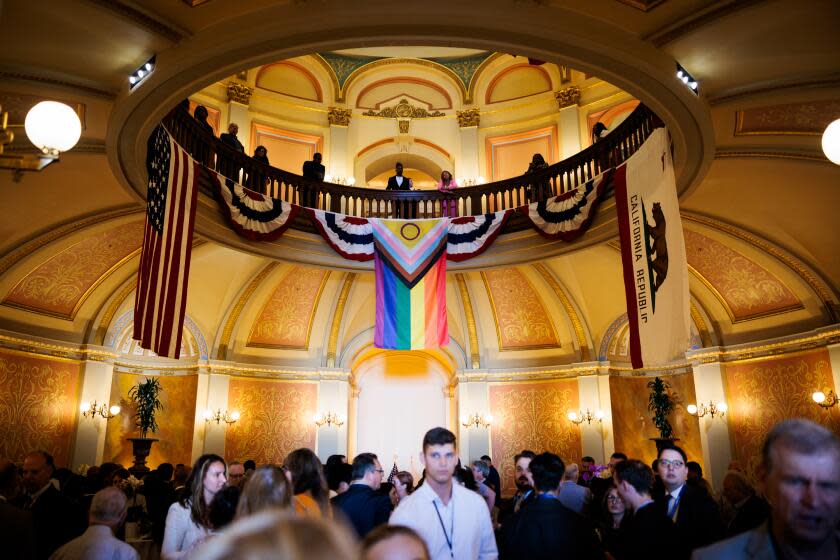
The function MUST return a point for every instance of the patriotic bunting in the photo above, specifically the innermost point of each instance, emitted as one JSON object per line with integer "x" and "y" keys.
{"x": 350, "y": 237}
{"x": 410, "y": 265}
{"x": 161, "y": 297}
{"x": 252, "y": 215}
{"x": 568, "y": 216}
{"x": 471, "y": 235}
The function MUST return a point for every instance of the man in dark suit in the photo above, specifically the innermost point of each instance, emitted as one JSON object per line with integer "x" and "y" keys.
{"x": 226, "y": 165}
{"x": 749, "y": 510}
{"x": 16, "y": 529}
{"x": 55, "y": 518}
{"x": 546, "y": 529}
{"x": 313, "y": 169}
{"x": 361, "y": 504}
{"x": 694, "y": 513}
{"x": 648, "y": 534}
{"x": 494, "y": 481}
{"x": 399, "y": 183}
{"x": 524, "y": 486}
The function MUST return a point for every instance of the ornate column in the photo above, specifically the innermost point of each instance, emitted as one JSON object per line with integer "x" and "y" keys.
{"x": 97, "y": 375}
{"x": 338, "y": 160}
{"x": 568, "y": 121}
{"x": 592, "y": 434}
{"x": 216, "y": 398}
{"x": 468, "y": 123}
{"x": 473, "y": 442}
{"x": 332, "y": 397}
{"x": 239, "y": 99}
{"x": 352, "y": 417}
{"x": 714, "y": 432}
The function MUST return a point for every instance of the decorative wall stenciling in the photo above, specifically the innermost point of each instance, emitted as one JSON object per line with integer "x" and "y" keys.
{"x": 632, "y": 424}
{"x": 38, "y": 405}
{"x": 60, "y": 285}
{"x": 276, "y": 419}
{"x": 522, "y": 323}
{"x": 532, "y": 416}
{"x": 809, "y": 118}
{"x": 764, "y": 391}
{"x": 286, "y": 318}
{"x": 176, "y": 421}
{"x": 746, "y": 289}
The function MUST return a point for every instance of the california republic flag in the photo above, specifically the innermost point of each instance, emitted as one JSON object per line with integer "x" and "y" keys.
{"x": 653, "y": 254}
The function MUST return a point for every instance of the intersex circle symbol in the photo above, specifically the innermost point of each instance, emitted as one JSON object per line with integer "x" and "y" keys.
{"x": 413, "y": 228}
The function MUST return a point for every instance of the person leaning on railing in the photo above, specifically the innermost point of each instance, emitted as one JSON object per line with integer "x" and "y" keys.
{"x": 534, "y": 191}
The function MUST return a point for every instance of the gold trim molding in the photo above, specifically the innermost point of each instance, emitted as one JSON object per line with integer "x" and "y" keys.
{"x": 700, "y": 323}
{"x": 567, "y": 97}
{"x": 585, "y": 354}
{"x": 116, "y": 303}
{"x": 403, "y": 110}
{"x": 339, "y": 116}
{"x": 809, "y": 341}
{"x": 338, "y": 316}
{"x": 236, "y": 310}
{"x": 475, "y": 357}
{"x": 468, "y": 117}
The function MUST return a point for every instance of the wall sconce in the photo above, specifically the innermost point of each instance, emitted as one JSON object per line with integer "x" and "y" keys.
{"x": 711, "y": 409}
{"x": 588, "y": 416}
{"x": 51, "y": 126}
{"x": 330, "y": 419}
{"x": 475, "y": 420}
{"x": 825, "y": 398}
{"x": 221, "y": 416}
{"x": 470, "y": 181}
{"x": 91, "y": 409}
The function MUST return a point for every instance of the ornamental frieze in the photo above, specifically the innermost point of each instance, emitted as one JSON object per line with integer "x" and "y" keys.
{"x": 403, "y": 110}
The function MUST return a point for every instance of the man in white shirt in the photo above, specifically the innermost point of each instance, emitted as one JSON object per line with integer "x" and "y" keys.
{"x": 107, "y": 514}
{"x": 453, "y": 521}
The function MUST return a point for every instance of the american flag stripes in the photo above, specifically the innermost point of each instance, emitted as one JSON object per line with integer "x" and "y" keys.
{"x": 161, "y": 297}
{"x": 394, "y": 472}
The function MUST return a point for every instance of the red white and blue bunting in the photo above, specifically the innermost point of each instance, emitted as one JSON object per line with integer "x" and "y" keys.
{"x": 253, "y": 215}
{"x": 351, "y": 237}
{"x": 470, "y": 236}
{"x": 568, "y": 215}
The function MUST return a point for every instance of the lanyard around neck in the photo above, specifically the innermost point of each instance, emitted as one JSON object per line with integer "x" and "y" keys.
{"x": 451, "y": 527}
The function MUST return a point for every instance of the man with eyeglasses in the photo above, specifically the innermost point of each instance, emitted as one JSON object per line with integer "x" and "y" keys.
{"x": 648, "y": 534}
{"x": 363, "y": 506}
{"x": 694, "y": 513}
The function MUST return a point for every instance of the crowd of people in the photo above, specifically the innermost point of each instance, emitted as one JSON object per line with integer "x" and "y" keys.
{"x": 303, "y": 509}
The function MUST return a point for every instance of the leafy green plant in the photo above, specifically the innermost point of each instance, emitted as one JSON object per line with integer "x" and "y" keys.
{"x": 146, "y": 396}
{"x": 661, "y": 405}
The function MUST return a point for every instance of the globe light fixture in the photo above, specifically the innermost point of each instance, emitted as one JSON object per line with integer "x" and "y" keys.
{"x": 53, "y": 127}
{"x": 831, "y": 142}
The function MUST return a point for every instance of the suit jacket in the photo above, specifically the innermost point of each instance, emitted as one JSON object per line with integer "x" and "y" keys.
{"x": 547, "y": 529}
{"x": 753, "y": 513}
{"x": 393, "y": 186}
{"x": 575, "y": 497}
{"x": 514, "y": 504}
{"x": 312, "y": 170}
{"x": 364, "y": 508}
{"x": 56, "y": 521}
{"x": 232, "y": 141}
{"x": 16, "y": 532}
{"x": 648, "y": 534}
{"x": 698, "y": 519}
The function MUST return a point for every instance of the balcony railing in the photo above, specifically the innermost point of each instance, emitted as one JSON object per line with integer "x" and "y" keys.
{"x": 563, "y": 176}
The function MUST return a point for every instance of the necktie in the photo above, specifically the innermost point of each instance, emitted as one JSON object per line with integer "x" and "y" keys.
{"x": 672, "y": 507}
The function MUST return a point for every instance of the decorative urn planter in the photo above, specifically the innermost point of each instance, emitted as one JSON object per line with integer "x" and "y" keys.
{"x": 141, "y": 447}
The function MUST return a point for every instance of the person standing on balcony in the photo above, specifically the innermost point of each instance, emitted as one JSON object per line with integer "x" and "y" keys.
{"x": 227, "y": 166}
{"x": 534, "y": 192}
{"x": 313, "y": 169}
{"x": 399, "y": 183}
{"x": 449, "y": 207}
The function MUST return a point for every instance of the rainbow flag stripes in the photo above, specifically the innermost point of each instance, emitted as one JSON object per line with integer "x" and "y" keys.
{"x": 410, "y": 263}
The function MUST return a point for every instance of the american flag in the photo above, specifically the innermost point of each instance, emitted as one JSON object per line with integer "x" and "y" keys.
{"x": 394, "y": 472}
{"x": 167, "y": 245}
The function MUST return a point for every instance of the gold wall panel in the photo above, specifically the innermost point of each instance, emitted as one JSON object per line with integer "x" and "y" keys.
{"x": 38, "y": 405}
{"x": 746, "y": 290}
{"x": 532, "y": 416}
{"x": 764, "y": 391}
{"x": 276, "y": 419}
{"x": 60, "y": 285}
{"x": 632, "y": 424}
{"x": 286, "y": 318}
{"x": 522, "y": 323}
{"x": 176, "y": 421}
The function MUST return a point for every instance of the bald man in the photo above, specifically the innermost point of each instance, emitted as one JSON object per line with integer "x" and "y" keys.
{"x": 107, "y": 514}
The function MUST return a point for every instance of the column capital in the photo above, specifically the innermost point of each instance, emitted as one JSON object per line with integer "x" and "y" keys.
{"x": 239, "y": 93}
{"x": 339, "y": 116}
{"x": 468, "y": 117}
{"x": 567, "y": 97}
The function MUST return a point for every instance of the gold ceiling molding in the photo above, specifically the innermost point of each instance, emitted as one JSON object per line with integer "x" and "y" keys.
{"x": 466, "y": 94}
{"x": 585, "y": 354}
{"x": 797, "y": 86}
{"x": 821, "y": 287}
{"x": 403, "y": 110}
{"x": 236, "y": 310}
{"x": 143, "y": 19}
{"x": 339, "y": 116}
{"x": 732, "y": 153}
{"x": 54, "y": 350}
{"x": 787, "y": 119}
{"x": 81, "y": 88}
{"x": 108, "y": 316}
{"x": 475, "y": 357}
{"x": 502, "y": 377}
{"x": 700, "y": 323}
{"x": 663, "y": 370}
{"x": 806, "y": 342}
{"x": 696, "y": 20}
{"x": 26, "y": 248}
{"x": 338, "y": 316}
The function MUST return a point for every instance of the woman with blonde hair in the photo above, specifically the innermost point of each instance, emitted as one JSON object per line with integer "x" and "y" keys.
{"x": 188, "y": 521}
{"x": 311, "y": 496}
{"x": 266, "y": 488}
{"x": 276, "y": 534}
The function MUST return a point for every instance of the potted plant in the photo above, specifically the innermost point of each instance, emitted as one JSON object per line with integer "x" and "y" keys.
{"x": 661, "y": 404}
{"x": 146, "y": 397}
